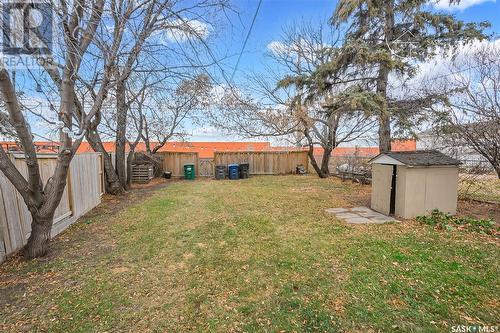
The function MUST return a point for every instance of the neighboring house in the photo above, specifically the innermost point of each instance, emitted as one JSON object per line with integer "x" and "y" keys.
{"x": 344, "y": 158}
{"x": 396, "y": 145}
{"x": 207, "y": 149}
{"x": 452, "y": 147}
{"x": 40, "y": 146}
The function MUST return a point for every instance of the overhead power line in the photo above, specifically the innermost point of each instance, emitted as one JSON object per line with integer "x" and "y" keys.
{"x": 246, "y": 40}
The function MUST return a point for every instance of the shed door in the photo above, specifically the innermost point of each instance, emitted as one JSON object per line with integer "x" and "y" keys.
{"x": 392, "y": 206}
{"x": 381, "y": 187}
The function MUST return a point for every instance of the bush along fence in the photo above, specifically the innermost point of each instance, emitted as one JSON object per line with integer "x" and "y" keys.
{"x": 82, "y": 193}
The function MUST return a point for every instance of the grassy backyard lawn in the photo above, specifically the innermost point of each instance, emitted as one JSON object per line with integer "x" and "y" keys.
{"x": 251, "y": 255}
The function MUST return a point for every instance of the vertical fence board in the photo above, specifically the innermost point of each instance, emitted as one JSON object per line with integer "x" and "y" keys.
{"x": 85, "y": 183}
{"x": 82, "y": 193}
{"x": 16, "y": 238}
{"x": 174, "y": 162}
{"x": 4, "y": 228}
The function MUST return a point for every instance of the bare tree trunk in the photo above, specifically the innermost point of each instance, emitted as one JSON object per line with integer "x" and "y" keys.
{"x": 121, "y": 132}
{"x": 325, "y": 161}
{"x": 310, "y": 153}
{"x": 130, "y": 159}
{"x": 315, "y": 165}
{"x": 38, "y": 241}
{"x": 42, "y": 201}
{"x": 384, "y": 131}
{"x": 111, "y": 181}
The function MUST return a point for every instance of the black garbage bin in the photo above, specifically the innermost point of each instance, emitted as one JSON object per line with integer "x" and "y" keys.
{"x": 244, "y": 170}
{"x": 220, "y": 171}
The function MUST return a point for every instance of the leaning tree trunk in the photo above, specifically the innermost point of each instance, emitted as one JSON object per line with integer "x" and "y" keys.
{"x": 310, "y": 153}
{"x": 42, "y": 213}
{"x": 325, "y": 161}
{"x": 315, "y": 165}
{"x": 130, "y": 159}
{"x": 121, "y": 132}
{"x": 111, "y": 182}
{"x": 384, "y": 130}
{"x": 38, "y": 242}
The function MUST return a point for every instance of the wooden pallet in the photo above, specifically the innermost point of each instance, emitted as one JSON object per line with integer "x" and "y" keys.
{"x": 142, "y": 173}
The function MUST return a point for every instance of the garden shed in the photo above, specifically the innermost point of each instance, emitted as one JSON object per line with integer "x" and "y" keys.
{"x": 413, "y": 183}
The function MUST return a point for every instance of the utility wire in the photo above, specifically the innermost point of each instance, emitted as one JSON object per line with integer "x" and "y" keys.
{"x": 246, "y": 40}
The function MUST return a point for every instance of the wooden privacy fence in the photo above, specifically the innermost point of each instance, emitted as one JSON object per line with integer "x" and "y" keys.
{"x": 265, "y": 162}
{"x": 82, "y": 193}
{"x": 174, "y": 162}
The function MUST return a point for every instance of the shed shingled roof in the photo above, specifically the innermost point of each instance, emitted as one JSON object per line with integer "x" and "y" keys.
{"x": 420, "y": 158}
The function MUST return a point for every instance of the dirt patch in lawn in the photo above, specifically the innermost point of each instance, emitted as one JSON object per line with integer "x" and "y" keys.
{"x": 112, "y": 203}
{"x": 479, "y": 210}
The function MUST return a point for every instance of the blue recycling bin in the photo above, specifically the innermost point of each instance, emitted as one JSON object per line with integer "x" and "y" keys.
{"x": 233, "y": 171}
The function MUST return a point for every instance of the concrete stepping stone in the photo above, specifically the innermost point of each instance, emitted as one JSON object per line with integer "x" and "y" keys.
{"x": 372, "y": 214}
{"x": 358, "y": 220}
{"x": 361, "y": 210}
{"x": 360, "y": 215}
{"x": 384, "y": 219}
{"x": 336, "y": 210}
{"x": 346, "y": 215}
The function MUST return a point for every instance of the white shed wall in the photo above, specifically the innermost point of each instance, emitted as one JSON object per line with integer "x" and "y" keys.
{"x": 381, "y": 187}
{"x": 426, "y": 189}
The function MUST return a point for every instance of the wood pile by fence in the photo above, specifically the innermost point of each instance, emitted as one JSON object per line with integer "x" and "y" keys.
{"x": 82, "y": 193}
{"x": 142, "y": 173}
{"x": 265, "y": 162}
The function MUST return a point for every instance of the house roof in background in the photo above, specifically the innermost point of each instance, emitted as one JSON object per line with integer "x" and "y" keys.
{"x": 40, "y": 146}
{"x": 207, "y": 149}
{"x": 204, "y": 149}
{"x": 417, "y": 158}
{"x": 396, "y": 145}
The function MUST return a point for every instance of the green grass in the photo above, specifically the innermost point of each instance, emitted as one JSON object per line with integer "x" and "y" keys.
{"x": 256, "y": 255}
